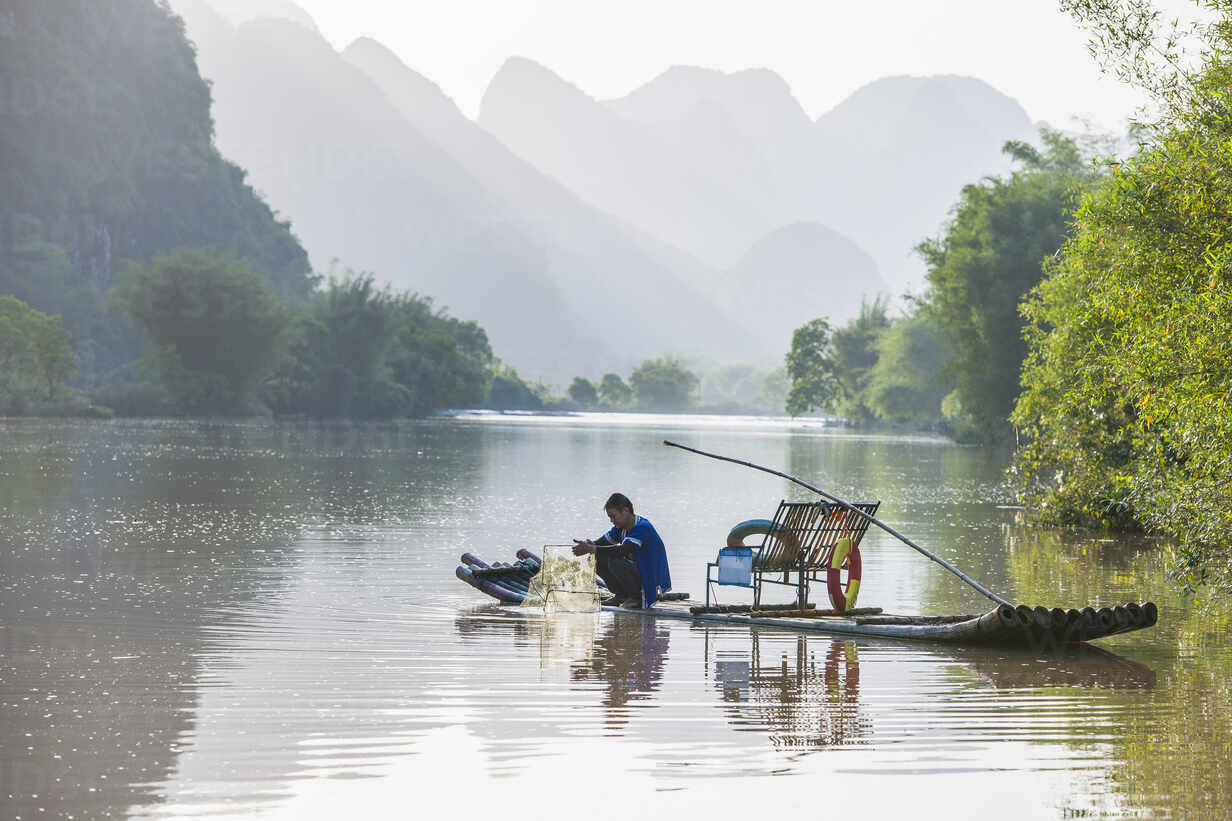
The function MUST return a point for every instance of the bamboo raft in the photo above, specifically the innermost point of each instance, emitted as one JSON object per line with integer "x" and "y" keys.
{"x": 1006, "y": 624}
{"x": 1003, "y": 626}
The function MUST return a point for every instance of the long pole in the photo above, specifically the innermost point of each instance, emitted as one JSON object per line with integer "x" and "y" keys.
{"x": 854, "y": 510}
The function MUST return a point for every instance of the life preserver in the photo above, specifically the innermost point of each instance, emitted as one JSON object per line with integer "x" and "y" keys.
{"x": 844, "y": 598}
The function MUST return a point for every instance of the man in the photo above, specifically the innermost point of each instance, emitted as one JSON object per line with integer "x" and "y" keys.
{"x": 630, "y": 558}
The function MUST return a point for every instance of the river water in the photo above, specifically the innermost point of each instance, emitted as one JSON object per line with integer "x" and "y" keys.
{"x": 262, "y": 620}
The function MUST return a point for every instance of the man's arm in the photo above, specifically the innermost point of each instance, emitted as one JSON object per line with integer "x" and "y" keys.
{"x": 621, "y": 550}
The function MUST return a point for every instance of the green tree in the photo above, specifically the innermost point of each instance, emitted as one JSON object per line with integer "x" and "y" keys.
{"x": 442, "y": 362}
{"x": 664, "y": 385}
{"x": 1125, "y": 412}
{"x": 217, "y": 332}
{"x": 351, "y": 368}
{"x": 34, "y": 350}
{"x": 509, "y": 391}
{"x": 362, "y": 351}
{"x": 811, "y": 368}
{"x": 613, "y": 392}
{"x": 52, "y": 354}
{"x": 906, "y": 385}
{"x": 14, "y": 336}
{"x": 583, "y": 391}
{"x": 986, "y": 260}
{"x": 854, "y": 353}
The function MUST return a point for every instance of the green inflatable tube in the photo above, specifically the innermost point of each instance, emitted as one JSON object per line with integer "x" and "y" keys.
{"x": 749, "y": 527}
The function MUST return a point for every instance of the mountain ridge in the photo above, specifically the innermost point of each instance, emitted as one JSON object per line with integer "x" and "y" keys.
{"x": 882, "y": 167}
{"x": 368, "y": 182}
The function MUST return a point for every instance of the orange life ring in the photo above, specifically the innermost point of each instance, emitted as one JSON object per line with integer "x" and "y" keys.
{"x": 844, "y": 597}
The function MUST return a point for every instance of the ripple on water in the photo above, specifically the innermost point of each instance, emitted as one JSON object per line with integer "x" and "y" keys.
{"x": 246, "y": 619}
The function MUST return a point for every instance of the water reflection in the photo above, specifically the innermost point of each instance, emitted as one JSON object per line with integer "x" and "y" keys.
{"x": 803, "y": 704}
{"x": 629, "y": 660}
{"x": 1174, "y": 749}
{"x": 805, "y": 694}
{"x": 242, "y": 618}
{"x": 126, "y": 551}
{"x": 106, "y": 574}
{"x": 562, "y": 638}
{"x": 1082, "y": 666}
{"x": 625, "y": 655}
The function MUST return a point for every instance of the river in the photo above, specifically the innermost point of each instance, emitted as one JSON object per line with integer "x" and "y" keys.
{"x": 261, "y": 620}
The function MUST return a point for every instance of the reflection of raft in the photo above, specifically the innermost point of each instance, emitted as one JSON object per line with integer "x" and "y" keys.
{"x": 1021, "y": 626}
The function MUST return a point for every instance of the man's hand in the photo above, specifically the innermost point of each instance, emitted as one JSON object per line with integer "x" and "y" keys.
{"x": 582, "y": 547}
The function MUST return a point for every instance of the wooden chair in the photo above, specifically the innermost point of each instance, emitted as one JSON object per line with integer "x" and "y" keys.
{"x": 800, "y": 540}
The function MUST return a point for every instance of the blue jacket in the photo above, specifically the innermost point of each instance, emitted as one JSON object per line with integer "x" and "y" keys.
{"x": 650, "y": 554}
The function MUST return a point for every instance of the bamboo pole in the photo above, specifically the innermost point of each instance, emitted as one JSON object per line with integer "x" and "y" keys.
{"x": 984, "y": 590}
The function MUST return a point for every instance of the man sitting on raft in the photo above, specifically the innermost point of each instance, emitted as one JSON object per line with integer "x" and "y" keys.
{"x": 630, "y": 558}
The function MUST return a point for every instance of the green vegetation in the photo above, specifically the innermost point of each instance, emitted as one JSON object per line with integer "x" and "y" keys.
{"x": 583, "y": 392}
{"x": 875, "y": 370}
{"x": 905, "y": 387}
{"x": 669, "y": 385}
{"x": 146, "y": 266}
{"x": 855, "y": 354}
{"x": 613, "y": 392}
{"x": 216, "y": 330}
{"x": 35, "y": 357}
{"x": 510, "y": 392}
{"x": 109, "y": 157}
{"x": 811, "y": 367}
{"x": 1126, "y": 410}
{"x": 986, "y": 260}
{"x": 664, "y": 385}
{"x": 364, "y": 352}
{"x": 953, "y": 362}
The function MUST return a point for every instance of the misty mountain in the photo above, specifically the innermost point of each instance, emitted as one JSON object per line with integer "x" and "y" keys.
{"x": 368, "y": 187}
{"x": 892, "y": 158}
{"x": 712, "y": 161}
{"x": 801, "y": 272}
{"x": 380, "y": 170}
{"x": 241, "y": 11}
{"x": 660, "y": 179}
{"x": 597, "y": 253}
{"x": 110, "y": 159}
{"x": 746, "y": 128}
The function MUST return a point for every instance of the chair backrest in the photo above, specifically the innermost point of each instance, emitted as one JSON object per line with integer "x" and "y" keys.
{"x": 810, "y": 530}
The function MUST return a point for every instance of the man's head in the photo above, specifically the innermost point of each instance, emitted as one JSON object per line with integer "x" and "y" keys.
{"x": 619, "y": 511}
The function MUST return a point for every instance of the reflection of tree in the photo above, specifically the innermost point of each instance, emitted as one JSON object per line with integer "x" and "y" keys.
{"x": 804, "y": 705}
{"x": 629, "y": 657}
{"x": 1168, "y": 747}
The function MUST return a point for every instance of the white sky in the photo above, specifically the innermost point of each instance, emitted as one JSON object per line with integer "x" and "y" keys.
{"x": 824, "y": 50}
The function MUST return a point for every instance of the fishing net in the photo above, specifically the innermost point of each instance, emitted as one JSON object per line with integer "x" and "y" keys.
{"x": 565, "y": 583}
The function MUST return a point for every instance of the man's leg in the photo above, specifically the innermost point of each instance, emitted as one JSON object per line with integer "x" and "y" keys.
{"x": 621, "y": 576}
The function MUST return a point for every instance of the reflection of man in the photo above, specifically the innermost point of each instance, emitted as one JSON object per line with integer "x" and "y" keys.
{"x": 630, "y": 558}
{"x": 629, "y": 657}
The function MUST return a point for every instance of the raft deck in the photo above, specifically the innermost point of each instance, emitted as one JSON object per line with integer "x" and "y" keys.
{"x": 1022, "y": 626}
{"x": 1003, "y": 626}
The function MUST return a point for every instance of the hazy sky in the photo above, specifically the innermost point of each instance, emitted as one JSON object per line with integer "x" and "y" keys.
{"x": 824, "y": 50}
